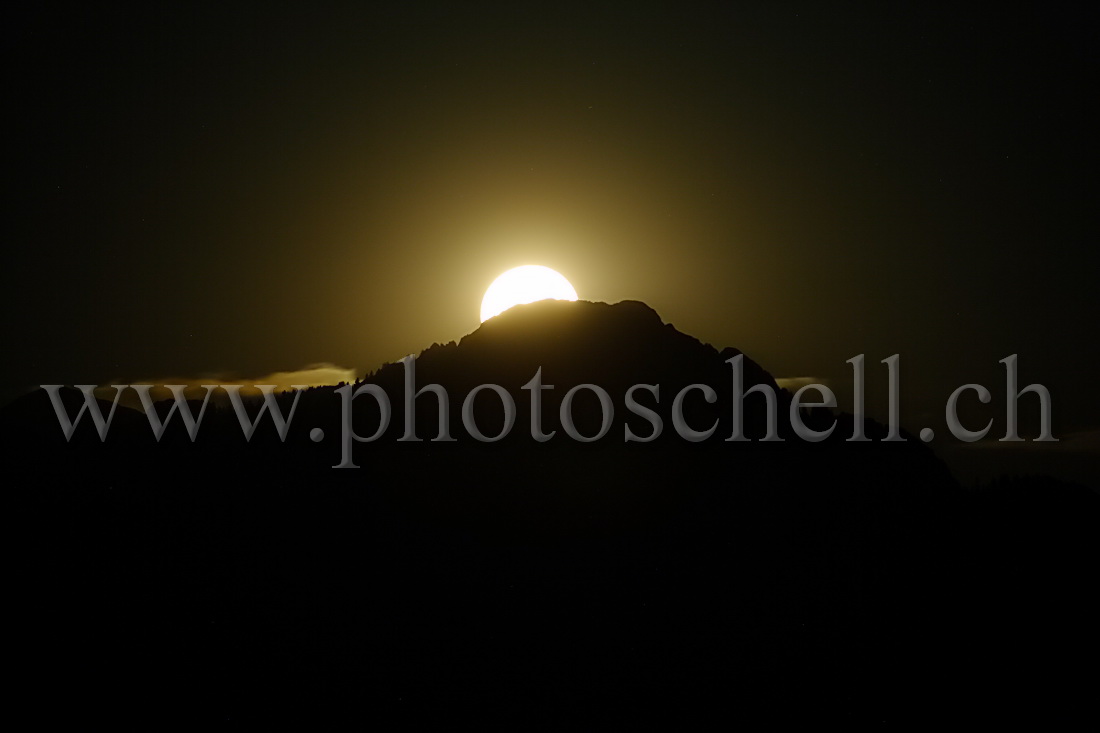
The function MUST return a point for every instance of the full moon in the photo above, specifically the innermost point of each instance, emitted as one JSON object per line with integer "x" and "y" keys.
{"x": 524, "y": 284}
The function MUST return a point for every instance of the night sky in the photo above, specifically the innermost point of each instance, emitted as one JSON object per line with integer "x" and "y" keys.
{"x": 211, "y": 191}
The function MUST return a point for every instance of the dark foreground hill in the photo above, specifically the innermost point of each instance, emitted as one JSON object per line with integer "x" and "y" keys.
{"x": 532, "y": 583}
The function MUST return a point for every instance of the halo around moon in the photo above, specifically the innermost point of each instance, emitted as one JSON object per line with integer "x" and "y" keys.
{"x": 525, "y": 284}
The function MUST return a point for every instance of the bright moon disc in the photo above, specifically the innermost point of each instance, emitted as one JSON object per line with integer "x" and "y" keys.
{"x": 524, "y": 284}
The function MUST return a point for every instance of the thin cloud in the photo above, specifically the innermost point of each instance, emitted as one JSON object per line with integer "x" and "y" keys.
{"x": 793, "y": 384}
{"x": 314, "y": 375}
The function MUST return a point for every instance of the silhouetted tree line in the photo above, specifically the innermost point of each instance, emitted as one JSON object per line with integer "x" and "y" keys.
{"x": 666, "y": 582}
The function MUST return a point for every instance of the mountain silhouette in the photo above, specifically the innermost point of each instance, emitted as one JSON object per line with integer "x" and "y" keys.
{"x": 603, "y": 581}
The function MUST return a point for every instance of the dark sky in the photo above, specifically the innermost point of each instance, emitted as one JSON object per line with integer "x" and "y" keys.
{"x": 195, "y": 190}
